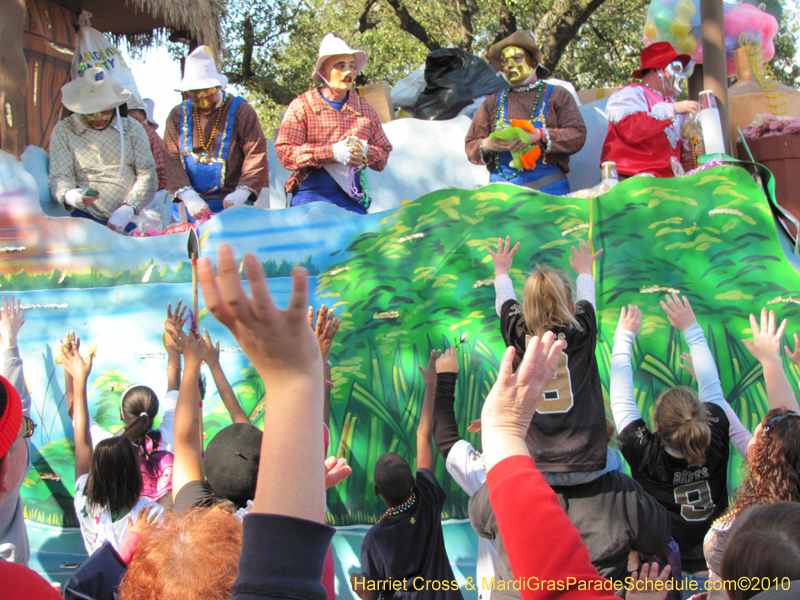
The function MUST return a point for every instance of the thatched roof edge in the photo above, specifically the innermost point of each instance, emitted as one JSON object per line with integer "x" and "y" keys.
{"x": 201, "y": 18}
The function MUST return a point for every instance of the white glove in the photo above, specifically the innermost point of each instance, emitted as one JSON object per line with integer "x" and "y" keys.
{"x": 75, "y": 199}
{"x": 236, "y": 197}
{"x": 120, "y": 217}
{"x": 341, "y": 153}
{"x": 194, "y": 203}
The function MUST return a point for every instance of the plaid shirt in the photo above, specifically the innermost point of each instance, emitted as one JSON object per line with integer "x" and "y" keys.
{"x": 82, "y": 157}
{"x": 246, "y": 164}
{"x": 311, "y": 126}
{"x": 565, "y": 133}
{"x": 157, "y": 146}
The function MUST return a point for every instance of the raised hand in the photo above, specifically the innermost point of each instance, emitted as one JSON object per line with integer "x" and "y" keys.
{"x": 766, "y": 343}
{"x": 211, "y": 355}
{"x": 474, "y": 426}
{"x": 648, "y": 584}
{"x": 193, "y": 349}
{"x": 679, "y": 312}
{"x": 12, "y": 318}
{"x": 78, "y": 367}
{"x": 325, "y": 329}
{"x": 429, "y": 372}
{"x": 176, "y": 320}
{"x": 582, "y": 260}
{"x": 689, "y": 365}
{"x": 630, "y": 319}
{"x": 146, "y": 520}
{"x": 794, "y": 356}
{"x": 336, "y": 471}
{"x": 448, "y": 362}
{"x": 504, "y": 256}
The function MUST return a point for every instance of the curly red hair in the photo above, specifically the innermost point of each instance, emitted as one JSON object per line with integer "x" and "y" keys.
{"x": 773, "y": 471}
{"x": 192, "y": 556}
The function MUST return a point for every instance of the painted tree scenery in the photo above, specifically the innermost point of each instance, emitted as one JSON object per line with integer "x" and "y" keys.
{"x": 272, "y": 44}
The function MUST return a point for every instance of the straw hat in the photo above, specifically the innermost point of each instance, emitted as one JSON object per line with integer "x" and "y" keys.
{"x": 200, "y": 71}
{"x": 94, "y": 92}
{"x": 522, "y": 39}
{"x": 333, "y": 45}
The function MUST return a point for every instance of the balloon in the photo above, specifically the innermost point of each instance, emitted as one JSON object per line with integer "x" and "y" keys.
{"x": 687, "y": 45}
{"x": 686, "y": 9}
{"x": 662, "y": 25}
{"x": 680, "y": 28}
{"x": 650, "y": 30}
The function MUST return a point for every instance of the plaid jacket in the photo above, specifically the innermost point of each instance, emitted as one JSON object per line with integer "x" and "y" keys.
{"x": 82, "y": 157}
{"x": 246, "y": 164}
{"x": 565, "y": 133}
{"x": 157, "y": 146}
{"x": 311, "y": 126}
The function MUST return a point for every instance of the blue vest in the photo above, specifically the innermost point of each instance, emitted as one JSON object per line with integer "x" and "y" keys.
{"x": 206, "y": 172}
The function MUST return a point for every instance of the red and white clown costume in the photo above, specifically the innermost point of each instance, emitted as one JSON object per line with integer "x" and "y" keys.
{"x": 644, "y": 130}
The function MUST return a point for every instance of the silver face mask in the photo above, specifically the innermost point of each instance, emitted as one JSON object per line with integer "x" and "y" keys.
{"x": 672, "y": 77}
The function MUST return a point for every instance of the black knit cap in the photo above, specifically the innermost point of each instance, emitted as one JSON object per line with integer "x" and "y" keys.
{"x": 231, "y": 462}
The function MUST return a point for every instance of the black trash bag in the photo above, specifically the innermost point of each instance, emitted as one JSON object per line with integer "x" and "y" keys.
{"x": 454, "y": 79}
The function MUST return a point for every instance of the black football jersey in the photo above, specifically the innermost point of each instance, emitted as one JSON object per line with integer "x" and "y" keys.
{"x": 694, "y": 497}
{"x": 568, "y": 431}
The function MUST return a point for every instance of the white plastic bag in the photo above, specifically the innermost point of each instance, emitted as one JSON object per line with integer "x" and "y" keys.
{"x": 406, "y": 91}
{"x": 93, "y": 49}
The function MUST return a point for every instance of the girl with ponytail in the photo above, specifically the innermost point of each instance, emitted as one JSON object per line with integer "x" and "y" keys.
{"x": 683, "y": 463}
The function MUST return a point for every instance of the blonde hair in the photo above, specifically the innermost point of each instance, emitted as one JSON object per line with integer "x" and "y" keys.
{"x": 546, "y": 301}
{"x": 683, "y": 424}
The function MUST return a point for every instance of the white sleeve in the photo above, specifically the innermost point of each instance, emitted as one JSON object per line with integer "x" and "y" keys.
{"x": 664, "y": 111}
{"x": 709, "y": 387}
{"x": 504, "y": 288}
{"x": 623, "y": 404}
{"x": 97, "y": 433}
{"x": 585, "y": 289}
{"x": 168, "y": 420}
{"x": 625, "y": 102}
{"x": 740, "y": 437}
{"x": 466, "y": 466}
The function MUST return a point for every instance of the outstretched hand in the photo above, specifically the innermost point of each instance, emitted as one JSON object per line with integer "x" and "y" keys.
{"x": 648, "y": 584}
{"x": 630, "y": 319}
{"x": 448, "y": 362}
{"x": 794, "y": 356}
{"x": 325, "y": 329}
{"x": 679, "y": 312}
{"x": 73, "y": 362}
{"x": 194, "y": 350}
{"x": 429, "y": 372}
{"x": 689, "y": 364}
{"x": 336, "y": 471}
{"x": 12, "y": 318}
{"x": 766, "y": 343}
{"x": 582, "y": 260}
{"x": 278, "y": 342}
{"x": 211, "y": 353}
{"x": 146, "y": 520}
{"x": 504, "y": 256}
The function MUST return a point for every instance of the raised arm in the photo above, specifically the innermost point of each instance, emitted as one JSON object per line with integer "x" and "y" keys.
{"x": 445, "y": 426}
{"x": 79, "y": 369}
{"x": 766, "y": 349}
{"x": 424, "y": 445}
{"x": 188, "y": 462}
{"x": 582, "y": 262}
{"x": 12, "y": 318}
{"x": 224, "y": 388}
{"x": 326, "y": 328}
{"x": 174, "y": 322}
{"x": 623, "y": 404}
{"x": 503, "y": 286}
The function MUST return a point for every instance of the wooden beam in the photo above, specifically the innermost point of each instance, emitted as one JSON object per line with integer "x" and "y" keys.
{"x": 715, "y": 68}
{"x": 13, "y": 77}
{"x": 37, "y": 43}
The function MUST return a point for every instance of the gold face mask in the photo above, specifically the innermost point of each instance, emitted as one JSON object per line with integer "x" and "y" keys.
{"x": 205, "y": 100}
{"x": 99, "y": 120}
{"x": 517, "y": 64}
{"x": 341, "y": 71}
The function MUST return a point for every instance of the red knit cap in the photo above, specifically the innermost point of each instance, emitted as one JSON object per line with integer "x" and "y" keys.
{"x": 10, "y": 415}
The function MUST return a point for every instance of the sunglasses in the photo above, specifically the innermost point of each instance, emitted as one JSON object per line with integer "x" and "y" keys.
{"x": 775, "y": 420}
{"x": 29, "y": 427}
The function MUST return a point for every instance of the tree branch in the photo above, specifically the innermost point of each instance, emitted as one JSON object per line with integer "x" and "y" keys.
{"x": 410, "y": 25}
{"x": 508, "y": 22}
{"x": 364, "y": 24}
{"x": 248, "y": 39}
{"x": 559, "y": 26}
{"x": 466, "y": 11}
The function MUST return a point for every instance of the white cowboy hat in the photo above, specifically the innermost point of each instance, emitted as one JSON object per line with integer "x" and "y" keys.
{"x": 149, "y": 107}
{"x": 200, "y": 71}
{"x": 333, "y": 45}
{"x": 94, "y": 92}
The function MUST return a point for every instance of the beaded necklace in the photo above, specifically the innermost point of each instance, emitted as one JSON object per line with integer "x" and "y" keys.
{"x": 540, "y": 87}
{"x": 398, "y": 509}
{"x": 206, "y": 146}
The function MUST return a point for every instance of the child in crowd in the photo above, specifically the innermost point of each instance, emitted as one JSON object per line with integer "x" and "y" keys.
{"x": 108, "y": 480}
{"x": 407, "y": 544}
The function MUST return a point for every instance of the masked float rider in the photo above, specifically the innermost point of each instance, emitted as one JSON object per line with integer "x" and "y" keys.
{"x": 644, "y": 122}
{"x": 546, "y": 117}
{"x": 330, "y": 135}
{"x": 101, "y": 165}
{"x": 216, "y": 151}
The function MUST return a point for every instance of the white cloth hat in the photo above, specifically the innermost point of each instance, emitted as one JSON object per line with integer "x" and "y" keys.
{"x": 200, "y": 71}
{"x": 94, "y": 92}
{"x": 149, "y": 107}
{"x": 333, "y": 45}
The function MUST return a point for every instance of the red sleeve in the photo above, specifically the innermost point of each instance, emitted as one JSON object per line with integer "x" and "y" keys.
{"x": 526, "y": 508}
{"x": 641, "y": 126}
{"x": 482, "y": 126}
{"x": 379, "y": 145}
